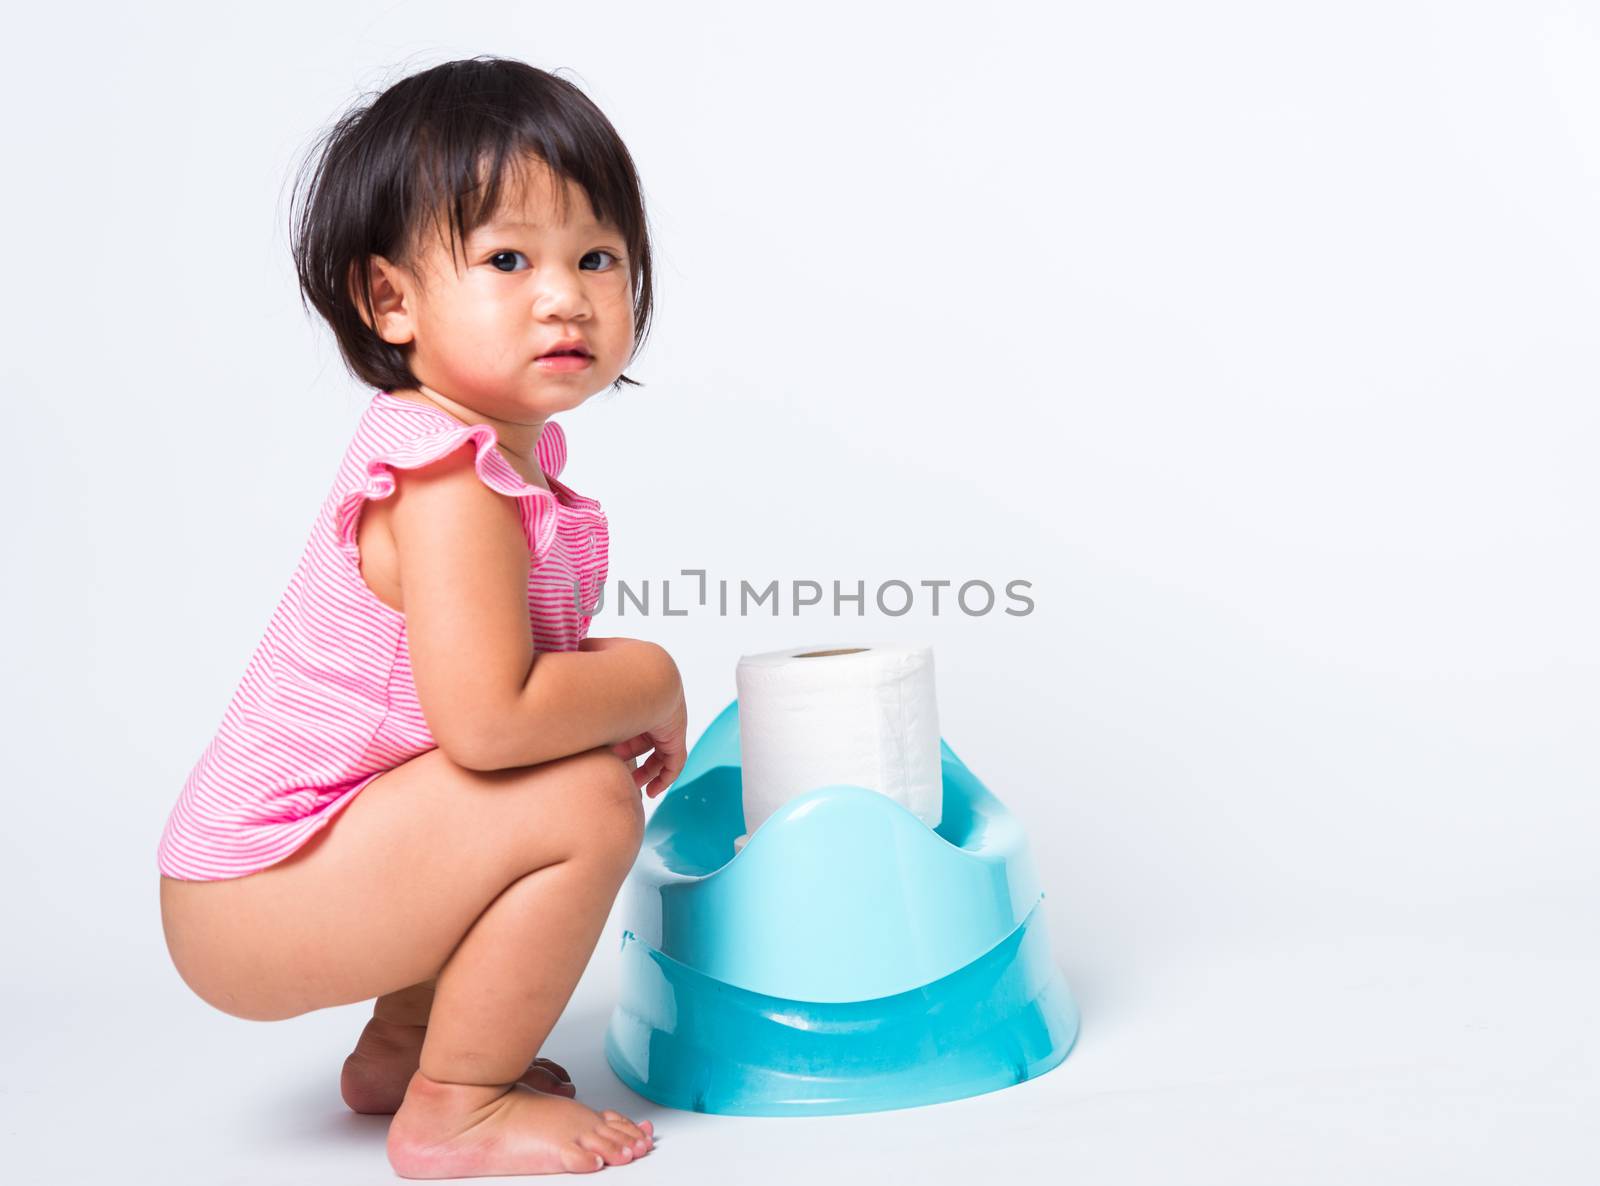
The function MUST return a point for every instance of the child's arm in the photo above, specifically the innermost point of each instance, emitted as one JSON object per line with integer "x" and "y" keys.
{"x": 488, "y": 698}
{"x": 577, "y": 700}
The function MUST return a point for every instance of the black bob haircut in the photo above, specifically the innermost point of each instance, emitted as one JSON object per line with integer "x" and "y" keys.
{"x": 448, "y": 140}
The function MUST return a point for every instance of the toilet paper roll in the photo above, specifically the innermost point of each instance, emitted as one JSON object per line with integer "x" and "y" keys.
{"x": 862, "y": 714}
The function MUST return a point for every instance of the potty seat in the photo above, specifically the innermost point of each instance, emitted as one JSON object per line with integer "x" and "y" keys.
{"x": 847, "y": 959}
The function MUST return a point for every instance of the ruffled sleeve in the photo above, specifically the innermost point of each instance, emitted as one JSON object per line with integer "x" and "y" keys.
{"x": 551, "y": 449}
{"x": 377, "y": 479}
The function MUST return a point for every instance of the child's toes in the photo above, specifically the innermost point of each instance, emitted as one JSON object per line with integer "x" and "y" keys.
{"x": 578, "y": 1160}
{"x": 634, "y": 1133}
{"x": 637, "y": 1142}
{"x": 608, "y": 1144}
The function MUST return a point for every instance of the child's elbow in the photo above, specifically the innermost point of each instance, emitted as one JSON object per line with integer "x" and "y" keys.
{"x": 472, "y": 745}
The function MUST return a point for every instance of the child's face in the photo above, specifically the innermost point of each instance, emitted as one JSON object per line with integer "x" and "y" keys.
{"x": 476, "y": 326}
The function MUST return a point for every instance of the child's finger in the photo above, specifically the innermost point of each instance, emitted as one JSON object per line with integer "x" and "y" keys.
{"x": 676, "y": 758}
{"x": 633, "y": 747}
{"x": 646, "y": 772}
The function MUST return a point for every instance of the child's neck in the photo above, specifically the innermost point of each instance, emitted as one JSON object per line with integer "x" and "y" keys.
{"x": 516, "y": 442}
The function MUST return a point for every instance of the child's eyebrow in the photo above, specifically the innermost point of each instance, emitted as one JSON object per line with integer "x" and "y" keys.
{"x": 506, "y": 224}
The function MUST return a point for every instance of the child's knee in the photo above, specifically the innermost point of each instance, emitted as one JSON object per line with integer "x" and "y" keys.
{"x": 609, "y": 803}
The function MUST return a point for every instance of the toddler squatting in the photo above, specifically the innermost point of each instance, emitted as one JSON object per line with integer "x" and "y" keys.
{"x": 424, "y": 790}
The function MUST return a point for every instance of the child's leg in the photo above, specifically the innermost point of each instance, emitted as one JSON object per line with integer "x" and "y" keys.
{"x": 407, "y": 1006}
{"x": 498, "y": 883}
{"x": 496, "y": 999}
{"x": 375, "y": 1075}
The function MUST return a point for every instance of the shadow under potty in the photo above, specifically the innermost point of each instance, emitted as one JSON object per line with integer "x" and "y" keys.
{"x": 847, "y": 959}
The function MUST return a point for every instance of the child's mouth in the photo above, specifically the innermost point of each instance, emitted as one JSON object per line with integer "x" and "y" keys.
{"x": 563, "y": 360}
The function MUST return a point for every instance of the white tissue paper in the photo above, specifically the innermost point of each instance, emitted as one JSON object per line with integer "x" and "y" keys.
{"x": 817, "y": 715}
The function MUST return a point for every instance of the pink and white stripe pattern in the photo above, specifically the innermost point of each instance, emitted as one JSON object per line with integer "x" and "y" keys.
{"x": 327, "y": 701}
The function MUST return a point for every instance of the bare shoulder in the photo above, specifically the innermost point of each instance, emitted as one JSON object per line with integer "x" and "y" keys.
{"x": 442, "y": 512}
{"x": 447, "y": 485}
{"x": 452, "y": 479}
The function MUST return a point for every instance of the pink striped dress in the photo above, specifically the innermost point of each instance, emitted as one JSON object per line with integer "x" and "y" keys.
{"x": 327, "y": 701}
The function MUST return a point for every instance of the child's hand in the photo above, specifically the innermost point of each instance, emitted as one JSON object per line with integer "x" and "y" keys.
{"x": 667, "y": 742}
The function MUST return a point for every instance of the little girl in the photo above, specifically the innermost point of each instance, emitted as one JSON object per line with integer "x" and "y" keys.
{"x": 424, "y": 788}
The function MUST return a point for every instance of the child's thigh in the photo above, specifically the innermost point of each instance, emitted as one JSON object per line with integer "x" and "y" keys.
{"x": 379, "y": 898}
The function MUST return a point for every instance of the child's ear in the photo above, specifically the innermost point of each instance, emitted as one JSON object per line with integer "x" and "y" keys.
{"x": 390, "y": 317}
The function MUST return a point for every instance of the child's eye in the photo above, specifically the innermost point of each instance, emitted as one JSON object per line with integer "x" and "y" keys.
{"x": 503, "y": 254}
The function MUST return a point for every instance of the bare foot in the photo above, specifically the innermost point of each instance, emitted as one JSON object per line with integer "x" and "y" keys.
{"x": 387, "y": 1055}
{"x": 452, "y": 1130}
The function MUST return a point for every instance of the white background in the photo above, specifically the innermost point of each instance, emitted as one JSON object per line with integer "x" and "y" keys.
{"x": 1260, "y": 338}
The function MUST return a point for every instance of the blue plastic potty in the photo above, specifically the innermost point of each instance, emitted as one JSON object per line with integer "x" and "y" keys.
{"x": 848, "y": 959}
